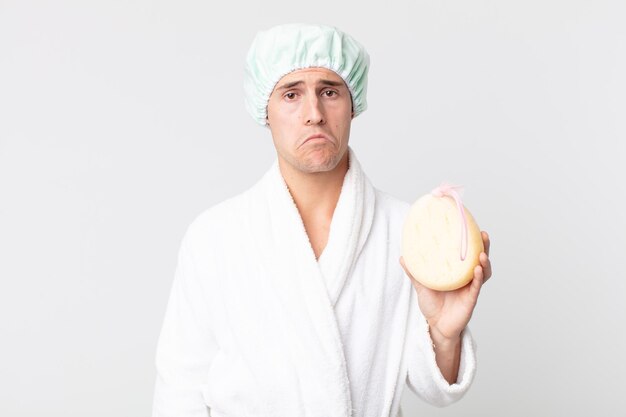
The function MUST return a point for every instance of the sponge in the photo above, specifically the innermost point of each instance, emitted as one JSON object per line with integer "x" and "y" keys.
{"x": 441, "y": 241}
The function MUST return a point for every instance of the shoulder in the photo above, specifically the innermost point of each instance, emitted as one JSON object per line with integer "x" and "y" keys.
{"x": 390, "y": 211}
{"x": 390, "y": 205}
{"x": 217, "y": 223}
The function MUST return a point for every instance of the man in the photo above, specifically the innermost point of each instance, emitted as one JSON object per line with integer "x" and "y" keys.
{"x": 290, "y": 299}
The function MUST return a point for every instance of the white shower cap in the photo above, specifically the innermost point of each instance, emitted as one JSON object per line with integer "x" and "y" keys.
{"x": 285, "y": 48}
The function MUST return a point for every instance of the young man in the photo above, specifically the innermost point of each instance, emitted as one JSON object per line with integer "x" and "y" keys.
{"x": 290, "y": 299}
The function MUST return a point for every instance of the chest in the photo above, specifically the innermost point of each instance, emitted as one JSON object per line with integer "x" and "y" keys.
{"x": 318, "y": 232}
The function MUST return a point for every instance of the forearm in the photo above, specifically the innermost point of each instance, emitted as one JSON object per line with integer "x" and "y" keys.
{"x": 425, "y": 364}
{"x": 447, "y": 355}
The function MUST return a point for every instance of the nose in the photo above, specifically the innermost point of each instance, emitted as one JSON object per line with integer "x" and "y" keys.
{"x": 313, "y": 113}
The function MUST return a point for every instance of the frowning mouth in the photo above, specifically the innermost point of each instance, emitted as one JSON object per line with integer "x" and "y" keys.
{"x": 316, "y": 137}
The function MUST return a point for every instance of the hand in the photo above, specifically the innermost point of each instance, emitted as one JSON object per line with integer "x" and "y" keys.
{"x": 448, "y": 312}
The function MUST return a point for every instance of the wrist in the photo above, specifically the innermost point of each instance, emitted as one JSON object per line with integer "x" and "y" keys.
{"x": 443, "y": 342}
{"x": 447, "y": 350}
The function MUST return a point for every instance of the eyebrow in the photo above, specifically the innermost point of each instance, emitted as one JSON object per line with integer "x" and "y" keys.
{"x": 323, "y": 82}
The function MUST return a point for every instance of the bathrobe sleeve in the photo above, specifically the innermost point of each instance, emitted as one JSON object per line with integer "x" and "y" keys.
{"x": 423, "y": 375}
{"x": 186, "y": 346}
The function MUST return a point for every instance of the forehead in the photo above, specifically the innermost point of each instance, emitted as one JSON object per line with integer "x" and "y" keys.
{"x": 307, "y": 75}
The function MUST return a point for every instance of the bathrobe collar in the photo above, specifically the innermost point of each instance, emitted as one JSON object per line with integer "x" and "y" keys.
{"x": 308, "y": 289}
{"x": 350, "y": 225}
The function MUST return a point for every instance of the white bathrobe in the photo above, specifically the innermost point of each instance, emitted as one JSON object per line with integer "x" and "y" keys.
{"x": 256, "y": 326}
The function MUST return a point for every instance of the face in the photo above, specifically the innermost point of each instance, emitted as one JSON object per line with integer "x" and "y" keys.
{"x": 307, "y": 102}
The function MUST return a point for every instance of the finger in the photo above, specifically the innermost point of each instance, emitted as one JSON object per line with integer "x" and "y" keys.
{"x": 416, "y": 284}
{"x": 406, "y": 270}
{"x": 404, "y": 266}
{"x": 486, "y": 241}
{"x": 485, "y": 263}
{"x": 476, "y": 283}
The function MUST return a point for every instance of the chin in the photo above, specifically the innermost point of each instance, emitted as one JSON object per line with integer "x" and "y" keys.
{"x": 320, "y": 158}
{"x": 319, "y": 162}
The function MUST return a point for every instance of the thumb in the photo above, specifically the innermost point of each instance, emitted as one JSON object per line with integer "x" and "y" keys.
{"x": 418, "y": 287}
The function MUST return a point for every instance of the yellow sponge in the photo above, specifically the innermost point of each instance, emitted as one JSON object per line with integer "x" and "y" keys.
{"x": 440, "y": 248}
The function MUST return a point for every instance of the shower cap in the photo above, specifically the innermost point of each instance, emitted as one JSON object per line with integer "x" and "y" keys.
{"x": 285, "y": 48}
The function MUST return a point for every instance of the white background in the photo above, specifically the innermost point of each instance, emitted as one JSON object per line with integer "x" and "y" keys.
{"x": 122, "y": 121}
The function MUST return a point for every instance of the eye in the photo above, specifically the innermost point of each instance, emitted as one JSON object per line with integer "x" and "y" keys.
{"x": 290, "y": 95}
{"x": 332, "y": 93}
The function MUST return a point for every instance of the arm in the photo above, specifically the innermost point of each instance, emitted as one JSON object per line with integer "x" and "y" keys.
{"x": 444, "y": 319}
{"x": 447, "y": 356}
{"x": 424, "y": 374}
{"x": 448, "y": 312}
{"x": 185, "y": 348}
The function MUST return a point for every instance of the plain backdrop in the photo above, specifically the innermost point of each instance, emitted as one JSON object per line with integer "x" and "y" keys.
{"x": 121, "y": 121}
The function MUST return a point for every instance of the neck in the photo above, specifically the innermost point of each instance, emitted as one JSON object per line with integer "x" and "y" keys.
{"x": 315, "y": 194}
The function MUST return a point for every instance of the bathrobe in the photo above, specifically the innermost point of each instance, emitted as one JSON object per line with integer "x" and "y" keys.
{"x": 256, "y": 326}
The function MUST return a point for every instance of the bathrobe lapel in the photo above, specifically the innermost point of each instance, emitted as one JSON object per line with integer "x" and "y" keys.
{"x": 349, "y": 229}
{"x": 307, "y": 290}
